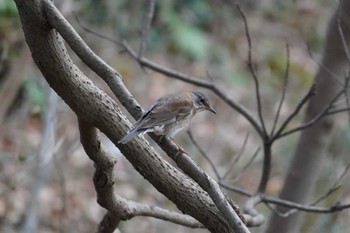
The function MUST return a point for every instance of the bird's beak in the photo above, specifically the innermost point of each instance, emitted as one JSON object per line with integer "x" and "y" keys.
{"x": 211, "y": 109}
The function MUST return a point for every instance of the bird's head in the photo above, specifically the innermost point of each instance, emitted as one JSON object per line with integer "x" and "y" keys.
{"x": 201, "y": 102}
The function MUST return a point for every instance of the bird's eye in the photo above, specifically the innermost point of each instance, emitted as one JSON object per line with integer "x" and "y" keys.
{"x": 202, "y": 100}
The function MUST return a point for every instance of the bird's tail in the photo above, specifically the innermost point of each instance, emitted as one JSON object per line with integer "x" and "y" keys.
{"x": 131, "y": 134}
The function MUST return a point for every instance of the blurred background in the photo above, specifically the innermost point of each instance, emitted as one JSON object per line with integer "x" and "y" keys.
{"x": 44, "y": 193}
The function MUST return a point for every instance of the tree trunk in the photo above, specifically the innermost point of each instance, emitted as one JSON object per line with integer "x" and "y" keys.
{"x": 311, "y": 149}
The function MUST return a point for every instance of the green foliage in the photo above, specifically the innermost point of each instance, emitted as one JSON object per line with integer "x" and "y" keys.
{"x": 8, "y": 14}
{"x": 34, "y": 92}
{"x": 7, "y": 8}
{"x": 235, "y": 76}
{"x": 189, "y": 39}
{"x": 182, "y": 24}
{"x": 22, "y": 157}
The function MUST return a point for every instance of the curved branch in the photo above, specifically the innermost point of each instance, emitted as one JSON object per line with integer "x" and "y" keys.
{"x": 121, "y": 208}
{"x": 99, "y": 110}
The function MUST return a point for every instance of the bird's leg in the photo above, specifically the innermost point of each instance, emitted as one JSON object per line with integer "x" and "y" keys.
{"x": 180, "y": 149}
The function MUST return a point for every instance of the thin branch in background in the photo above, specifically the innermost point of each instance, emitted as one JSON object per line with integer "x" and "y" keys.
{"x": 85, "y": 28}
{"x": 346, "y": 96}
{"x": 146, "y": 25}
{"x": 347, "y": 109}
{"x": 333, "y": 189}
{"x": 324, "y": 67}
{"x": 199, "y": 148}
{"x": 211, "y": 79}
{"x": 252, "y": 69}
{"x": 336, "y": 183}
{"x": 284, "y": 90}
{"x": 236, "y": 157}
{"x": 265, "y": 138}
{"x": 246, "y": 166}
{"x": 346, "y": 49}
{"x": 313, "y": 209}
{"x": 311, "y": 122}
{"x": 294, "y": 210}
{"x": 341, "y": 33}
{"x": 235, "y": 189}
{"x": 309, "y": 94}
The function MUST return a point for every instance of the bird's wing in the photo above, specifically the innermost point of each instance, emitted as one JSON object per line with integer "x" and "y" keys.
{"x": 163, "y": 112}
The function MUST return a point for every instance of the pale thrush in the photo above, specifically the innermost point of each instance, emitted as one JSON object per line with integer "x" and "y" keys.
{"x": 169, "y": 115}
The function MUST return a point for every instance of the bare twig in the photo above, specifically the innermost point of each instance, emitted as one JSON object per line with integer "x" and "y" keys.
{"x": 340, "y": 110}
{"x": 309, "y": 94}
{"x": 199, "y": 148}
{"x": 341, "y": 33}
{"x": 236, "y": 189}
{"x": 236, "y": 157}
{"x": 324, "y": 67}
{"x": 285, "y": 84}
{"x": 333, "y": 188}
{"x": 252, "y": 69}
{"x": 146, "y": 25}
{"x": 87, "y": 29}
{"x": 314, "y": 209}
{"x": 311, "y": 122}
{"x": 346, "y": 49}
{"x": 246, "y": 166}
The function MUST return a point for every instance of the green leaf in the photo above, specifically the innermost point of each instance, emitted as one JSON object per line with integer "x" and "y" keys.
{"x": 22, "y": 158}
{"x": 34, "y": 91}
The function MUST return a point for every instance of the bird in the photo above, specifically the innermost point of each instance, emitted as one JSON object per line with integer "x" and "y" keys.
{"x": 169, "y": 115}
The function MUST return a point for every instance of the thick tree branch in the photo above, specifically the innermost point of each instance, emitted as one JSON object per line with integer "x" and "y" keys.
{"x": 98, "y": 109}
{"x": 94, "y": 62}
{"x": 121, "y": 208}
{"x": 60, "y": 23}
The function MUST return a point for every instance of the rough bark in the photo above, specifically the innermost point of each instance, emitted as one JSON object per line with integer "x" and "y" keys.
{"x": 313, "y": 143}
{"x": 97, "y": 108}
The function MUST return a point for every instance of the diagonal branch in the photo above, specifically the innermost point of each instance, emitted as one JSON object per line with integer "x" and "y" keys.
{"x": 252, "y": 70}
{"x": 100, "y": 111}
{"x": 311, "y": 122}
{"x": 199, "y": 148}
{"x": 119, "y": 208}
{"x": 187, "y": 165}
{"x": 236, "y": 157}
{"x": 309, "y": 94}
